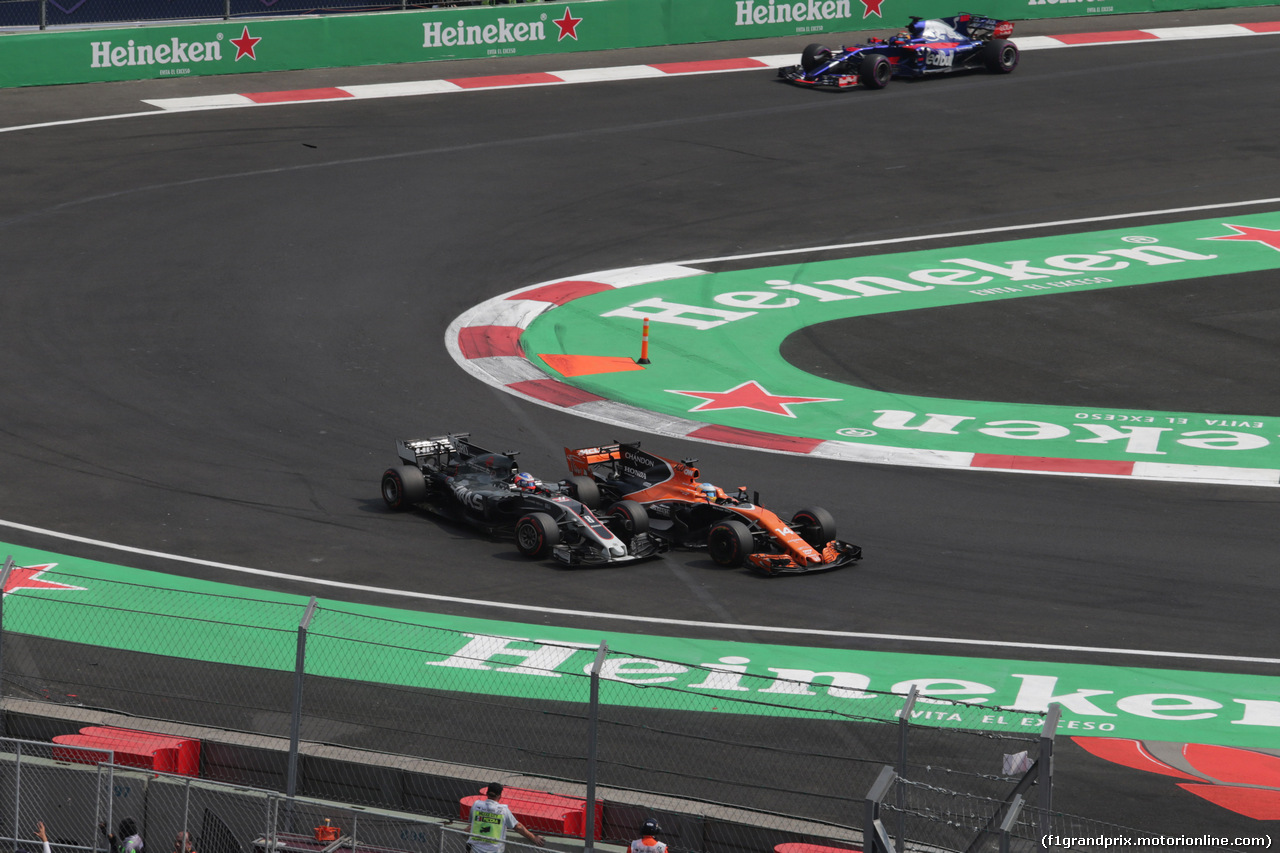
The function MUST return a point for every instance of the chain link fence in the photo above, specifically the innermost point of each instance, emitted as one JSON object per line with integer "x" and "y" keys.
{"x": 908, "y": 815}
{"x": 73, "y": 799}
{"x": 322, "y": 702}
{"x": 44, "y": 14}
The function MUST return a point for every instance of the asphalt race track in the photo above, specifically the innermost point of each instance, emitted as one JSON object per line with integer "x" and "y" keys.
{"x": 216, "y": 324}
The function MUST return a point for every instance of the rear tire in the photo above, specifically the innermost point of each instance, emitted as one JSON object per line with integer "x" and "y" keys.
{"x": 585, "y": 490}
{"x": 729, "y": 542}
{"x": 814, "y": 56}
{"x": 1000, "y": 56}
{"x": 537, "y": 535}
{"x": 815, "y": 526}
{"x": 403, "y": 486}
{"x": 876, "y": 71}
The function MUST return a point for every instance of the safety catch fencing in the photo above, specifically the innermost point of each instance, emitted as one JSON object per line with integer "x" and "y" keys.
{"x": 44, "y": 14}
{"x": 322, "y": 702}
{"x": 79, "y": 801}
{"x": 935, "y": 819}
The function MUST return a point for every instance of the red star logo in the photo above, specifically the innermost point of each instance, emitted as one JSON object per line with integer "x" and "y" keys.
{"x": 750, "y": 395}
{"x": 568, "y": 26}
{"x": 1270, "y": 237}
{"x": 871, "y": 7}
{"x": 28, "y": 577}
{"x": 245, "y": 45}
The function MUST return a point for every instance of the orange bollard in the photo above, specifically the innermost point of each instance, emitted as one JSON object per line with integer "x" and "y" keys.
{"x": 644, "y": 344}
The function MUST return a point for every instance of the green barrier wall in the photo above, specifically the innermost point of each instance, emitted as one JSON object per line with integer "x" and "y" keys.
{"x": 231, "y": 47}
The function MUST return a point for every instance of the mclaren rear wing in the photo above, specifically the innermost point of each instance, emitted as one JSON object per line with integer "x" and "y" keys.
{"x": 581, "y": 460}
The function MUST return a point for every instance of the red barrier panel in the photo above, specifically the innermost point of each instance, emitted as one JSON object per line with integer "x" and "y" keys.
{"x": 132, "y": 748}
{"x": 541, "y": 811}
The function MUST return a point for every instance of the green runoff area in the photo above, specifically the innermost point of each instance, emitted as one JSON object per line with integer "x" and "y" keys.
{"x": 715, "y": 339}
{"x": 237, "y": 46}
{"x": 184, "y": 618}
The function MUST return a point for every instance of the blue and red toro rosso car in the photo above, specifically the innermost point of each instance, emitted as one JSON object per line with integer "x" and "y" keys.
{"x": 924, "y": 48}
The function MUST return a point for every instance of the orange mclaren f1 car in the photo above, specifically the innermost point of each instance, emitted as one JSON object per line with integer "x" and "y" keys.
{"x": 688, "y": 513}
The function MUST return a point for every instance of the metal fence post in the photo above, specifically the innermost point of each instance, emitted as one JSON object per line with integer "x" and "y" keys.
{"x": 593, "y": 722}
{"x": 226, "y": 10}
{"x": 111, "y": 801}
{"x": 1010, "y": 819}
{"x": 4, "y": 582}
{"x": 17, "y": 789}
{"x": 186, "y": 812}
{"x": 295, "y": 725}
{"x": 874, "y": 838}
{"x": 904, "y": 725}
{"x": 273, "y": 822}
{"x": 44, "y": 14}
{"x": 1045, "y": 779}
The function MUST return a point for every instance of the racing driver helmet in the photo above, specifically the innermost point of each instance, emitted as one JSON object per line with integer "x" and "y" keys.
{"x": 710, "y": 492}
{"x": 525, "y": 481}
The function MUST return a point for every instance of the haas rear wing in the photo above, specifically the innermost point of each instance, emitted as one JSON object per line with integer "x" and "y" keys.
{"x": 440, "y": 447}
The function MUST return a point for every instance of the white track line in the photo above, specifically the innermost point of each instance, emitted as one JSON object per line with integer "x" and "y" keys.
{"x": 647, "y": 620}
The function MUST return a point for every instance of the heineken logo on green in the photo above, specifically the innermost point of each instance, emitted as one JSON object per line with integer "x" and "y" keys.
{"x": 171, "y": 51}
{"x": 1011, "y": 695}
{"x": 714, "y": 353}
{"x": 462, "y": 32}
{"x": 977, "y": 277}
{"x": 750, "y": 12}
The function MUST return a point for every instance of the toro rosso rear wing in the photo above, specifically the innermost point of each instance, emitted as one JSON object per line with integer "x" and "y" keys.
{"x": 980, "y": 27}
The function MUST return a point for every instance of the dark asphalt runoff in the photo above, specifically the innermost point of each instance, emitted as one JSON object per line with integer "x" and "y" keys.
{"x": 215, "y": 326}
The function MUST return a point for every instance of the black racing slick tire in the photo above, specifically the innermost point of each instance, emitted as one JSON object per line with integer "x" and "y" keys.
{"x": 729, "y": 543}
{"x": 585, "y": 490}
{"x": 537, "y": 535}
{"x": 627, "y": 518}
{"x": 815, "y": 526}
{"x": 876, "y": 71}
{"x": 814, "y": 56}
{"x": 1000, "y": 56}
{"x": 403, "y": 486}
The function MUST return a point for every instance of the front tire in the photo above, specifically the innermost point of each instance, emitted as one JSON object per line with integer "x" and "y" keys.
{"x": 537, "y": 535}
{"x": 1000, "y": 56}
{"x": 403, "y": 486}
{"x": 815, "y": 526}
{"x": 729, "y": 542}
{"x": 876, "y": 71}
{"x": 629, "y": 518}
{"x": 815, "y": 56}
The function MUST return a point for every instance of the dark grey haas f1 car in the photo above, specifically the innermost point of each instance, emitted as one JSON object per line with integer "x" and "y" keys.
{"x": 925, "y": 48}
{"x": 453, "y": 478}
